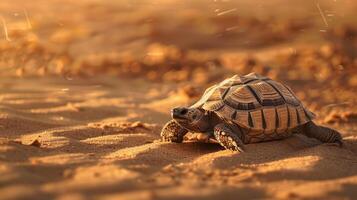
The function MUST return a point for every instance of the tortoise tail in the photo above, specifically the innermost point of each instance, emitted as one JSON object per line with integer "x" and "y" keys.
{"x": 322, "y": 133}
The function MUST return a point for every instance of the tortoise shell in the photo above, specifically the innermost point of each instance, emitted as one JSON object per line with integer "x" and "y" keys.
{"x": 256, "y": 103}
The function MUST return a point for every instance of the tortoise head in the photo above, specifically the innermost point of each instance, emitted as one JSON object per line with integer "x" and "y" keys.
{"x": 193, "y": 119}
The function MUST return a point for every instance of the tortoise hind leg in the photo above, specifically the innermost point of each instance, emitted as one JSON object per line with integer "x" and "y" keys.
{"x": 227, "y": 138}
{"x": 324, "y": 134}
{"x": 173, "y": 132}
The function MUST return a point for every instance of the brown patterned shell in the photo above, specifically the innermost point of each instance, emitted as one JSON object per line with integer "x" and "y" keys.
{"x": 256, "y": 103}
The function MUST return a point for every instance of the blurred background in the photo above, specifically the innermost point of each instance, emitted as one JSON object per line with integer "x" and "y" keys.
{"x": 305, "y": 43}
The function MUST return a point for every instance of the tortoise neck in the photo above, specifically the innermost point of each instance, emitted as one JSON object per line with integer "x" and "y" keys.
{"x": 214, "y": 119}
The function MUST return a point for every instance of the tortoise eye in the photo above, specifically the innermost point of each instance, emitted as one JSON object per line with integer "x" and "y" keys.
{"x": 183, "y": 111}
{"x": 194, "y": 116}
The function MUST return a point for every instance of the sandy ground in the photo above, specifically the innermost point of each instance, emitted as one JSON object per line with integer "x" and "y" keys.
{"x": 98, "y": 139}
{"x": 86, "y": 86}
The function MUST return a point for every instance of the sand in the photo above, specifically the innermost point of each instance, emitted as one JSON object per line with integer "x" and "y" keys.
{"x": 87, "y": 85}
{"x": 99, "y": 139}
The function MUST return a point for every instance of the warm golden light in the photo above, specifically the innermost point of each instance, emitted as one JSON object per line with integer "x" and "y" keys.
{"x": 87, "y": 86}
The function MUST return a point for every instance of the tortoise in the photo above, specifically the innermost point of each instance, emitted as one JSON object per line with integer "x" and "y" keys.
{"x": 246, "y": 109}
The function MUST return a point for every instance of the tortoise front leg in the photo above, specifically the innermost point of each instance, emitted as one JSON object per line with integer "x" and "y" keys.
{"x": 173, "y": 132}
{"x": 324, "y": 134}
{"x": 227, "y": 138}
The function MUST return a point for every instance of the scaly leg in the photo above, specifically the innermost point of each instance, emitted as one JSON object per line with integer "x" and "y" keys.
{"x": 173, "y": 132}
{"x": 324, "y": 134}
{"x": 227, "y": 138}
